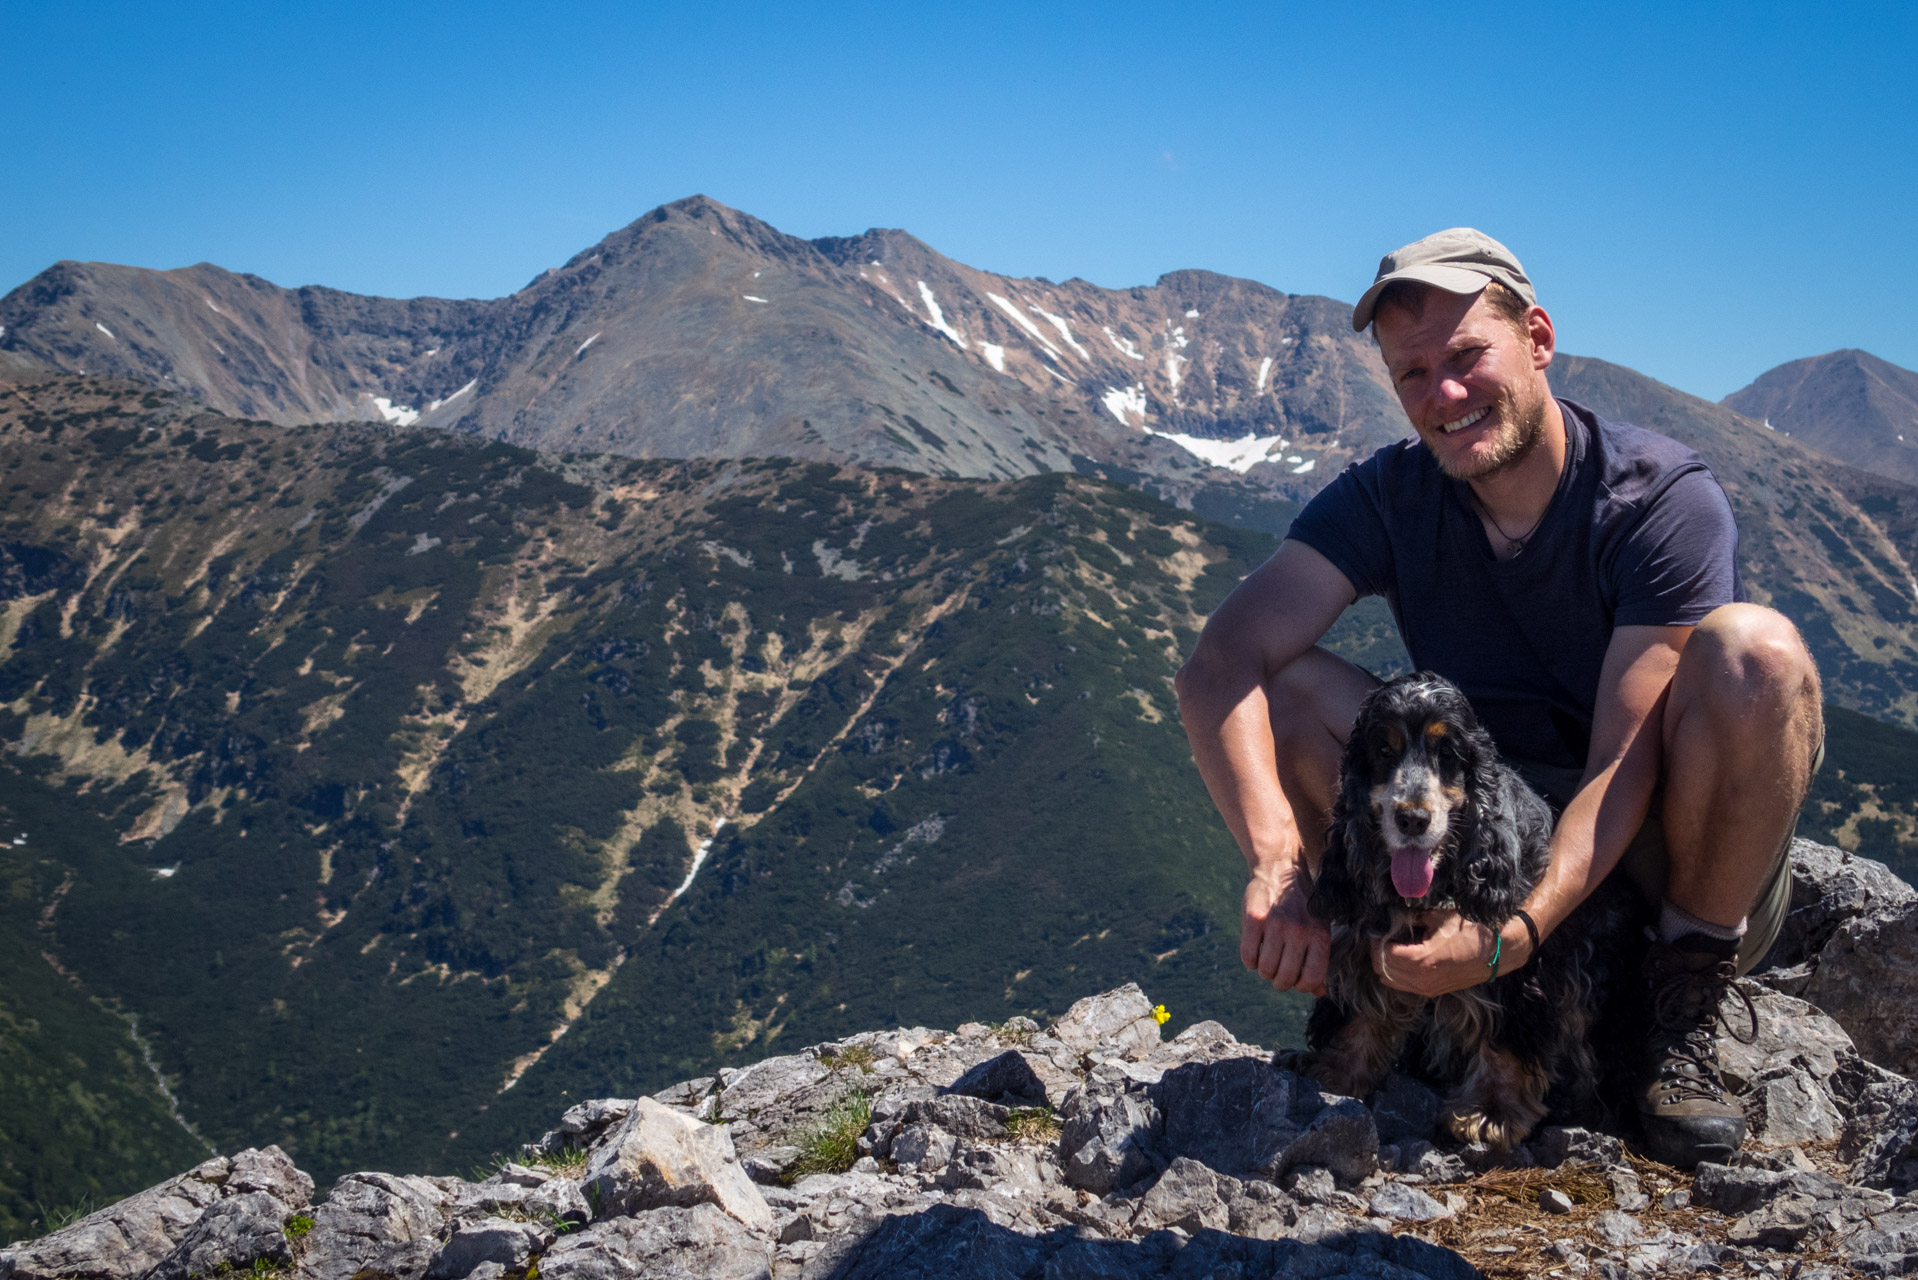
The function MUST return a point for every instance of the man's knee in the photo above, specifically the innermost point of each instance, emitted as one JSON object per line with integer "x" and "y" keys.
{"x": 1746, "y": 662}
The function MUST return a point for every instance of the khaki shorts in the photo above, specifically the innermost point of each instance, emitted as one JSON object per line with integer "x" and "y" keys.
{"x": 1648, "y": 865}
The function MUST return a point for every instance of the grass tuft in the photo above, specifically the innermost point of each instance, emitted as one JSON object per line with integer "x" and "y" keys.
{"x": 834, "y": 1145}
{"x": 1036, "y": 1123}
{"x": 852, "y": 1055}
{"x": 298, "y": 1225}
{"x": 565, "y": 1160}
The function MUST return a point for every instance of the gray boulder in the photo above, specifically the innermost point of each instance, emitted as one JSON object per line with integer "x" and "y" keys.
{"x": 1246, "y": 1117}
{"x": 1867, "y": 980}
{"x": 1786, "y": 1106}
{"x": 659, "y": 1156}
{"x": 1188, "y": 1196}
{"x": 375, "y": 1223}
{"x": 1120, "y": 1020}
{"x": 1830, "y": 887}
{"x": 231, "y": 1236}
{"x": 1880, "y": 1141}
{"x": 584, "y": 1124}
{"x": 501, "y": 1242}
{"x": 697, "y": 1243}
{"x": 1789, "y": 1030}
{"x": 1008, "y": 1080}
{"x": 1107, "y": 1140}
{"x": 1401, "y": 1203}
{"x": 1404, "y": 1108}
{"x": 126, "y": 1240}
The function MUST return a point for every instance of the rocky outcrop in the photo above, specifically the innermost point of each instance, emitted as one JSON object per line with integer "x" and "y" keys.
{"x": 1094, "y": 1147}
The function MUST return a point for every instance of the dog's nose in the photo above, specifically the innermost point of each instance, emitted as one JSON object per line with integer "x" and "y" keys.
{"x": 1411, "y": 819}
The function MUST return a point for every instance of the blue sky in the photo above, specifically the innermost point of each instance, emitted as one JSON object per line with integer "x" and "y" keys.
{"x": 1700, "y": 191}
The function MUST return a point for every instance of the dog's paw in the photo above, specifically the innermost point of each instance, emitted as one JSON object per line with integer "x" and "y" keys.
{"x": 1476, "y": 1128}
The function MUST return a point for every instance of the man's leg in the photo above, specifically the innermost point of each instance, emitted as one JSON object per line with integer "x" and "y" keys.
{"x": 1314, "y": 702}
{"x": 1741, "y": 728}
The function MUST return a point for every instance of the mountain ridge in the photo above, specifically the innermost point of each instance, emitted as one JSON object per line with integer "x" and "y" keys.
{"x": 1849, "y": 404}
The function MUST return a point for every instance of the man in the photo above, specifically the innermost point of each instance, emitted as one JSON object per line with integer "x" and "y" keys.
{"x": 1577, "y": 579}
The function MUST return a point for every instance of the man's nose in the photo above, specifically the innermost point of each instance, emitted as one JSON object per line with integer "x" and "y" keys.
{"x": 1411, "y": 819}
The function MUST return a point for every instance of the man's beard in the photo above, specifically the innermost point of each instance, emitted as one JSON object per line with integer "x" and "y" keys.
{"x": 1520, "y": 428}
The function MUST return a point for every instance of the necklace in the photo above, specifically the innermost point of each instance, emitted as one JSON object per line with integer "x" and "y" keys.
{"x": 1512, "y": 545}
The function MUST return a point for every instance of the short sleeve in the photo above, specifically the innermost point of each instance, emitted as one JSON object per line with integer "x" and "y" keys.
{"x": 1680, "y": 561}
{"x": 1344, "y": 523}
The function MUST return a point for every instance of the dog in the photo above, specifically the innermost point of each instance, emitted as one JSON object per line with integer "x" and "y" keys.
{"x": 1429, "y": 817}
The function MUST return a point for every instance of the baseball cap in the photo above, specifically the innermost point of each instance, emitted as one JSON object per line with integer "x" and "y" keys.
{"x": 1459, "y": 260}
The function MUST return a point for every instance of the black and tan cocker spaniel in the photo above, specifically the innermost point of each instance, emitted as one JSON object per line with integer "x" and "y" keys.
{"x": 1428, "y": 817}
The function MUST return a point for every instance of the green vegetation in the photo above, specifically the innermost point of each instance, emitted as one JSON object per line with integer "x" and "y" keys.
{"x": 856, "y": 1057}
{"x": 1036, "y": 1124}
{"x": 567, "y": 1160}
{"x": 833, "y": 1146}
{"x": 298, "y": 1225}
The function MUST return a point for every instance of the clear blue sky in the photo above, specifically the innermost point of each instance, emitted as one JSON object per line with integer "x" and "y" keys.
{"x": 1700, "y": 191}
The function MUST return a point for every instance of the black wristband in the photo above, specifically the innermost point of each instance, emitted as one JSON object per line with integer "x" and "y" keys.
{"x": 1531, "y": 927}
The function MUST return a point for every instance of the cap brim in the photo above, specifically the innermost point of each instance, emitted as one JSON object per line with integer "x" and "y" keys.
{"x": 1461, "y": 280}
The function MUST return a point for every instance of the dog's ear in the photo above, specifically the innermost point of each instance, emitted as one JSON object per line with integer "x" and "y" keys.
{"x": 1336, "y": 895}
{"x": 1492, "y": 859}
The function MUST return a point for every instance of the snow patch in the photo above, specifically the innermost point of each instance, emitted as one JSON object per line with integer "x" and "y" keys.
{"x": 1059, "y": 323}
{"x": 1124, "y": 345}
{"x": 699, "y": 859}
{"x": 1172, "y": 362}
{"x": 582, "y": 346}
{"x": 211, "y": 305}
{"x": 434, "y": 404}
{"x": 1005, "y": 305}
{"x": 1265, "y": 371}
{"x": 1178, "y": 336}
{"x": 939, "y": 317}
{"x": 103, "y": 329}
{"x": 1192, "y": 315}
{"x": 1119, "y": 403}
{"x": 1305, "y": 466}
{"x": 162, "y": 873}
{"x": 995, "y": 356}
{"x": 750, "y": 298}
{"x": 397, "y": 414}
{"x": 1239, "y": 455}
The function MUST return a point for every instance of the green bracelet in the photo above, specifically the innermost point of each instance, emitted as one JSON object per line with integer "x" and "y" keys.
{"x": 1498, "y": 946}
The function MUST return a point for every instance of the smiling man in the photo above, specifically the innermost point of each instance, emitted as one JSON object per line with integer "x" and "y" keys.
{"x": 1578, "y": 579}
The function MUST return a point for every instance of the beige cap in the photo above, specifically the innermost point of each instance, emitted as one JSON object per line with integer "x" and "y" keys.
{"x": 1460, "y": 260}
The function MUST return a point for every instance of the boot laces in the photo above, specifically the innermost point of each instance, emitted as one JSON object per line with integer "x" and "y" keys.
{"x": 1686, "y": 1007}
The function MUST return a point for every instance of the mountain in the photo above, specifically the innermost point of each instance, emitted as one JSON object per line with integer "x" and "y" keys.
{"x": 1849, "y": 404}
{"x": 699, "y": 331}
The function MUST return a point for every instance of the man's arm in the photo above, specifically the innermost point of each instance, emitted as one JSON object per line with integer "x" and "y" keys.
{"x": 1271, "y": 620}
{"x": 1621, "y": 772}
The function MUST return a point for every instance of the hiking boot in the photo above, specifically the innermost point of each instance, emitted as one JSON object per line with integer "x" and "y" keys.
{"x": 1682, "y": 1104}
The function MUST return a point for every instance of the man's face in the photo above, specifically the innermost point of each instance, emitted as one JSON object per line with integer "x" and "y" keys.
{"x": 1472, "y": 385}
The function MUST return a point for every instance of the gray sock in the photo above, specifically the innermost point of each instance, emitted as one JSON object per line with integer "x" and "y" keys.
{"x": 1674, "y": 923}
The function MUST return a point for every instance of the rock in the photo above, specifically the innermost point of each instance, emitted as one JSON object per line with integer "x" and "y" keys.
{"x": 1627, "y": 1192}
{"x": 1867, "y": 980}
{"x": 584, "y": 1124}
{"x": 1399, "y": 1202}
{"x": 1780, "y": 1224}
{"x": 1311, "y": 1184}
{"x": 506, "y": 1244}
{"x": 128, "y": 1239}
{"x": 660, "y": 1156}
{"x": 1404, "y": 1108}
{"x": 1617, "y": 1229}
{"x": 1880, "y": 1141}
{"x": 697, "y": 1243}
{"x": 1121, "y": 1020}
{"x": 1260, "y": 1210}
{"x": 1108, "y": 1141}
{"x": 1789, "y": 1031}
{"x": 1008, "y": 1080}
{"x": 923, "y": 1148}
{"x": 231, "y": 1236}
{"x": 1552, "y": 1200}
{"x": 1786, "y": 1106}
{"x": 1186, "y": 1196}
{"x": 1731, "y": 1190}
{"x": 378, "y": 1223}
{"x": 995, "y": 1169}
{"x": 1245, "y": 1117}
{"x": 1829, "y": 888}
{"x": 1556, "y": 1145}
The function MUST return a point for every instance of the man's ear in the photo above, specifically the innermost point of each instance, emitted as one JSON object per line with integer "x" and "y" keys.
{"x": 1538, "y": 327}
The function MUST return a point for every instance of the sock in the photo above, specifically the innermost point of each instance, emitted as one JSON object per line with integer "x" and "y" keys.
{"x": 1675, "y": 923}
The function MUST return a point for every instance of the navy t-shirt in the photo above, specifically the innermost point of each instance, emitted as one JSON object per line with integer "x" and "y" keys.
{"x": 1637, "y": 534}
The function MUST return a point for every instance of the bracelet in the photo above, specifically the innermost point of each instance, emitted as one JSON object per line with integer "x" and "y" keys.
{"x": 1498, "y": 945}
{"x": 1531, "y": 927}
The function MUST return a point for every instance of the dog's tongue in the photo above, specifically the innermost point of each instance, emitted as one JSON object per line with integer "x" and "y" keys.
{"x": 1411, "y": 872}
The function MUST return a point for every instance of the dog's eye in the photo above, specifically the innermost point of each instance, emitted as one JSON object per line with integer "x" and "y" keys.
{"x": 1383, "y": 751}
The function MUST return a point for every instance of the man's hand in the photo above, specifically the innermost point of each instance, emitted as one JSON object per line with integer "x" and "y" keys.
{"x": 1279, "y": 937}
{"x": 1456, "y": 954}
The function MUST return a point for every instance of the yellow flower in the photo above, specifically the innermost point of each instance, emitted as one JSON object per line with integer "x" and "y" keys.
{"x": 1159, "y": 1015}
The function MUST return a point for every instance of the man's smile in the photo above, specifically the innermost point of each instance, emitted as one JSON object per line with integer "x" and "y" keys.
{"x": 1449, "y": 427}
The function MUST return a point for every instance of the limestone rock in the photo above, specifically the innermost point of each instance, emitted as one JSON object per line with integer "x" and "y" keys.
{"x": 1788, "y": 1029}
{"x": 378, "y": 1223}
{"x": 231, "y": 1236}
{"x": 1404, "y": 1108}
{"x": 125, "y": 1241}
{"x": 1245, "y": 1117}
{"x": 1787, "y": 1106}
{"x": 1881, "y": 1140}
{"x": 585, "y": 1124}
{"x": 1830, "y": 887}
{"x": 1867, "y": 980}
{"x": 659, "y": 1156}
{"x": 1107, "y": 1140}
{"x": 1121, "y": 1020}
{"x": 671, "y": 1243}
{"x": 1008, "y": 1080}
{"x": 1187, "y": 1196}
{"x": 501, "y": 1242}
{"x": 1399, "y": 1202}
